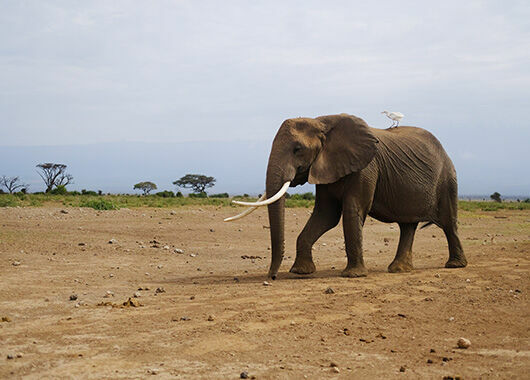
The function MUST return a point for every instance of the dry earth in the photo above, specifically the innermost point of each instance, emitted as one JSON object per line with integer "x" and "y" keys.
{"x": 214, "y": 318}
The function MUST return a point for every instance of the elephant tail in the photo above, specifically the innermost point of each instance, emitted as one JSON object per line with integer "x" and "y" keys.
{"x": 426, "y": 225}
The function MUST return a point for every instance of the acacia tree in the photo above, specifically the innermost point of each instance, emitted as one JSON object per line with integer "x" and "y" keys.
{"x": 496, "y": 197}
{"x": 12, "y": 184}
{"x": 146, "y": 187}
{"x": 197, "y": 182}
{"x": 54, "y": 175}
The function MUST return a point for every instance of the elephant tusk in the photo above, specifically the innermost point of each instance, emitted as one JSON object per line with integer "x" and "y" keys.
{"x": 246, "y": 212}
{"x": 266, "y": 202}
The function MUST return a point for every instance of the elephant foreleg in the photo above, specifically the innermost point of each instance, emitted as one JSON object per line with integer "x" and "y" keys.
{"x": 403, "y": 260}
{"x": 325, "y": 216}
{"x": 353, "y": 221}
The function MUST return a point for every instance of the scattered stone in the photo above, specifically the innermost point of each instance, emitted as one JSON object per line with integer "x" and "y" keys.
{"x": 346, "y": 331}
{"x": 452, "y": 378}
{"x": 193, "y": 255}
{"x": 19, "y": 355}
{"x": 386, "y": 240}
{"x": 64, "y": 212}
{"x": 463, "y": 343}
{"x": 108, "y": 294}
{"x": 192, "y": 297}
{"x": 177, "y": 250}
{"x": 266, "y": 283}
{"x": 451, "y": 319}
{"x": 136, "y": 294}
{"x": 159, "y": 266}
{"x": 160, "y": 290}
{"x": 113, "y": 241}
{"x": 16, "y": 263}
{"x": 402, "y": 369}
{"x": 437, "y": 275}
{"x": 166, "y": 247}
{"x": 173, "y": 212}
{"x": 402, "y": 315}
{"x": 10, "y": 356}
{"x": 381, "y": 335}
{"x": 81, "y": 244}
{"x": 211, "y": 318}
{"x": 430, "y": 299}
{"x": 212, "y": 230}
{"x": 73, "y": 297}
{"x": 429, "y": 361}
{"x": 329, "y": 291}
{"x": 185, "y": 318}
{"x": 446, "y": 359}
{"x": 243, "y": 375}
{"x": 143, "y": 288}
{"x": 6, "y": 319}
{"x": 132, "y": 302}
{"x": 335, "y": 369}
{"x": 153, "y": 371}
{"x": 432, "y": 351}
{"x": 236, "y": 279}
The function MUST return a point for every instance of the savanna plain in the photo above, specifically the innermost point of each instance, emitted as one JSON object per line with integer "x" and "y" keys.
{"x": 173, "y": 292}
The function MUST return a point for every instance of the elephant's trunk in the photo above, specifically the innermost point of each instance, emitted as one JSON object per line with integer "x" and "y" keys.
{"x": 277, "y": 175}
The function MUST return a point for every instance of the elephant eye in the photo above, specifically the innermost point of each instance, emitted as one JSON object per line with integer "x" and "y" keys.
{"x": 297, "y": 149}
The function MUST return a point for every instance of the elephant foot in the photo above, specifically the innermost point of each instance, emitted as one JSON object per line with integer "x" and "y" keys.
{"x": 457, "y": 262}
{"x": 400, "y": 266}
{"x": 303, "y": 267}
{"x": 352, "y": 272}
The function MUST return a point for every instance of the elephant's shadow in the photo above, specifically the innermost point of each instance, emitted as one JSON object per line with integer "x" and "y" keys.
{"x": 247, "y": 278}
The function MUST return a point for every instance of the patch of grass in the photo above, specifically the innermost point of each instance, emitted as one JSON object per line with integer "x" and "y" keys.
{"x": 99, "y": 204}
{"x": 8, "y": 200}
{"x": 492, "y": 206}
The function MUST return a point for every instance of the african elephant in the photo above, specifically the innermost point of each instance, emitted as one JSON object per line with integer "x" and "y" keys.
{"x": 398, "y": 175}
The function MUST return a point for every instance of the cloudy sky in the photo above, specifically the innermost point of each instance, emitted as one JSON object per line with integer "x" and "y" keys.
{"x": 123, "y": 72}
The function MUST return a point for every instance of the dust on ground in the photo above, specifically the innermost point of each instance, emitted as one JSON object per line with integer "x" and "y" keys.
{"x": 197, "y": 306}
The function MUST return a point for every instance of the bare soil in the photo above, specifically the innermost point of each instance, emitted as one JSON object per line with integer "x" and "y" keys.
{"x": 213, "y": 317}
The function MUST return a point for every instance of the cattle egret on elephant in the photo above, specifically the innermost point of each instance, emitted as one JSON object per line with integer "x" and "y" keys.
{"x": 395, "y": 117}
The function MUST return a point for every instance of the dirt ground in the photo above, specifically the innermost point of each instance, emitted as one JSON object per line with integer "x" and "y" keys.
{"x": 206, "y": 313}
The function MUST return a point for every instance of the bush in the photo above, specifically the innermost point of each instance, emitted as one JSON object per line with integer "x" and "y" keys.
{"x": 89, "y": 192}
{"x": 165, "y": 194}
{"x": 7, "y": 200}
{"x": 179, "y": 194}
{"x": 74, "y": 192}
{"x": 305, "y": 196}
{"x": 198, "y": 195}
{"x": 59, "y": 190}
{"x": 221, "y": 195}
{"x": 99, "y": 204}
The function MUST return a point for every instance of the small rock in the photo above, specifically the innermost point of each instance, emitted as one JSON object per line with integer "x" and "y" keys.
{"x": 108, "y": 294}
{"x": 212, "y": 230}
{"x": 402, "y": 315}
{"x": 10, "y": 356}
{"x": 132, "y": 302}
{"x": 243, "y": 375}
{"x": 166, "y": 247}
{"x": 402, "y": 369}
{"x": 64, "y": 212}
{"x": 346, "y": 331}
{"x": 432, "y": 351}
{"x": 437, "y": 275}
{"x": 6, "y": 319}
{"x": 81, "y": 244}
{"x": 329, "y": 291}
{"x": 173, "y": 212}
{"x": 192, "y": 255}
{"x": 463, "y": 343}
{"x": 266, "y": 283}
{"x": 136, "y": 294}
{"x": 73, "y": 297}
{"x": 211, "y": 318}
{"x": 185, "y": 318}
{"x": 113, "y": 241}
{"x": 19, "y": 355}
{"x": 177, "y": 250}
{"x": 386, "y": 240}
{"x": 335, "y": 369}
{"x": 159, "y": 266}
{"x": 429, "y": 361}
{"x": 160, "y": 290}
{"x": 236, "y": 279}
{"x": 192, "y": 297}
{"x": 451, "y": 319}
{"x": 16, "y": 263}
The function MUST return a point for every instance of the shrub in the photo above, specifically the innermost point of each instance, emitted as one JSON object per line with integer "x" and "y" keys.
{"x": 198, "y": 195}
{"x": 89, "y": 192}
{"x": 74, "y": 192}
{"x": 306, "y": 196}
{"x": 165, "y": 194}
{"x": 99, "y": 204}
{"x": 8, "y": 201}
{"x": 179, "y": 194}
{"x": 221, "y": 195}
{"x": 59, "y": 190}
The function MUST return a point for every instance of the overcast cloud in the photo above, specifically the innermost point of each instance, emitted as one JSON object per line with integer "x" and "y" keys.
{"x": 81, "y": 72}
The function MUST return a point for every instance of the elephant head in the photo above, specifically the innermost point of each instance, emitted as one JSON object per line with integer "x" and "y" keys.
{"x": 318, "y": 151}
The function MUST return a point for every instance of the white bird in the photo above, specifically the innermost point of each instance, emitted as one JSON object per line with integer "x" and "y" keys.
{"x": 395, "y": 117}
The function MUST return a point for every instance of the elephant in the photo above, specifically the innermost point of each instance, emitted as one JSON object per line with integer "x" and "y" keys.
{"x": 400, "y": 175}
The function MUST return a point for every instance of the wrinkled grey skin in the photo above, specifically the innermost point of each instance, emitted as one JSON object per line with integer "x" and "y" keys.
{"x": 398, "y": 175}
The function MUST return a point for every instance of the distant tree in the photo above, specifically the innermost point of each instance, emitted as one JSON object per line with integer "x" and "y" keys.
{"x": 54, "y": 175}
{"x": 146, "y": 187}
{"x": 197, "y": 182}
{"x": 496, "y": 197}
{"x": 12, "y": 184}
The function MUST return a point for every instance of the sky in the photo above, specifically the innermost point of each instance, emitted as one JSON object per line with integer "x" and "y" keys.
{"x": 99, "y": 75}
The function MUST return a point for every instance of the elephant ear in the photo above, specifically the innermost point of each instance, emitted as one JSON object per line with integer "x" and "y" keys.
{"x": 348, "y": 147}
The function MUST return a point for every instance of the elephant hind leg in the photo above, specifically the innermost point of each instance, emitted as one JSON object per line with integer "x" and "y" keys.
{"x": 457, "y": 259}
{"x": 403, "y": 260}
